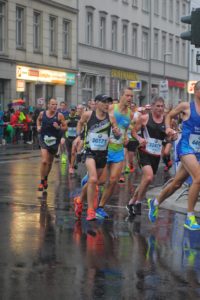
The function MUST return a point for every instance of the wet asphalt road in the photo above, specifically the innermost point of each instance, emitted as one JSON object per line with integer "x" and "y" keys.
{"x": 46, "y": 254}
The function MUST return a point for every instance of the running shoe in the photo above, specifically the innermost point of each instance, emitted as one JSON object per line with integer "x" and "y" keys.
{"x": 40, "y": 187}
{"x": 63, "y": 158}
{"x": 153, "y": 210}
{"x": 138, "y": 208}
{"x": 132, "y": 169}
{"x": 101, "y": 214}
{"x": 45, "y": 185}
{"x": 131, "y": 211}
{"x": 91, "y": 214}
{"x": 78, "y": 207}
{"x": 122, "y": 179}
{"x": 84, "y": 180}
{"x": 191, "y": 223}
{"x": 127, "y": 170}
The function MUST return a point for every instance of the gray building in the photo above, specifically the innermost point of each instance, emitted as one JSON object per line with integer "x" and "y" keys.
{"x": 38, "y": 50}
{"x": 194, "y": 69}
{"x": 132, "y": 42}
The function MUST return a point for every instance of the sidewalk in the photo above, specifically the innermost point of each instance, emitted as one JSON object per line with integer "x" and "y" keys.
{"x": 177, "y": 201}
{"x": 10, "y": 151}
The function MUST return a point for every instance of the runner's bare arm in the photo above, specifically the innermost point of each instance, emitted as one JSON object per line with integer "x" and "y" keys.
{"x": 63, "y": 126}
{"x": 183, "y": 107}
{"x": 39, "y": 121}
{"x": 83, "y": 120}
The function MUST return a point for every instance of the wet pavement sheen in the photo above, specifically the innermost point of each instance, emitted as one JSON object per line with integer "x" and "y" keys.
{"x": 45, "y": 253}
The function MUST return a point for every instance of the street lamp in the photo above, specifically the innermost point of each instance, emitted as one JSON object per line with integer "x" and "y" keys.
{"x": 165, "y": 55}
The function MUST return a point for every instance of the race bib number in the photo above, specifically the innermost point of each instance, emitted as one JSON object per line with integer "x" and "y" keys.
{"x": 194, "y": 141}
{"x": 98, "y": 141}
{"x": 154, "y": 146}
{"x": 117, "y": 140}
{"x": 71, "y": 131}
{"x": 50, "y": 140}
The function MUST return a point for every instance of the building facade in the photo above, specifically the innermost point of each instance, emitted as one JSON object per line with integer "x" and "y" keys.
{"x": 132, "y": 42}
{"x": 38, "y": 50}
{"x": 194, "y": 69}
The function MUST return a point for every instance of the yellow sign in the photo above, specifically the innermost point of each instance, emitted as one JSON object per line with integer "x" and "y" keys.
{"x": 136, "y": 85}
{"x": 43, "y": 75}
{"x": 20, "y": 85}
{"x": 124, "y": 75}
{"x": 190, "y": 86}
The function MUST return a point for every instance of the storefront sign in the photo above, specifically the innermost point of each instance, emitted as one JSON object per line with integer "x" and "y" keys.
{"x": 124, "y": 75}
{"x": 163, "y": 89}
{"x": 178, "y": 84}
{"x": 43, "y": 75}
{"x": 136, "y": 85}
{"x": 20, "y": 85}
{"x": 190, "y": 86}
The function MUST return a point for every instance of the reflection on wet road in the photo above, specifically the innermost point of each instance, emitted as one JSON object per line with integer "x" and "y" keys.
{"x": 46, "y": 254}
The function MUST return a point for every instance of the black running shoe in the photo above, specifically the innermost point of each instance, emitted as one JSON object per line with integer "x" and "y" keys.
{"x": 138, "y": 208}
{"x": 131, "y": 211}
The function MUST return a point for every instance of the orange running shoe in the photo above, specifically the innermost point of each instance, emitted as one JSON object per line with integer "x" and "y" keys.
{"x": 40, "y": 187}
{"x": 121, "y": 179}
{"x": 91, "y": 214}
{"x": 96, "y": 197}
{"x": 45, "y": 185}
{"x": 78, "y": 207}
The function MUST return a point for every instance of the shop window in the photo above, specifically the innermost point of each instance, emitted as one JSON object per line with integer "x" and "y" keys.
{"x": 88, "y": 83}
{"x": 49, "y": 92}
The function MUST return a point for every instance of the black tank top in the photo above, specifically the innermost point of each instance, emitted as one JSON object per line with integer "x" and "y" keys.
{"x": 99, "y": 131}
{"x": 155, "y": 130}
{"x": 47, "y": 128}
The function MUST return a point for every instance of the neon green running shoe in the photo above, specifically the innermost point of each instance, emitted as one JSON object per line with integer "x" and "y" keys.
{"x": 63, "y": 158}
{"x": 127, "y": 170}
{"x": 191, "y": 223}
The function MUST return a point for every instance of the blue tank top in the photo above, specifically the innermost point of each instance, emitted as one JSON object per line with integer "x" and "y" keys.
{"x": 190, "y": 140}
{"x": 48, "y": 130}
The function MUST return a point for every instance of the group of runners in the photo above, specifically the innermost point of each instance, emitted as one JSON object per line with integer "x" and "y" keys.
{"x": 109, "y": 134}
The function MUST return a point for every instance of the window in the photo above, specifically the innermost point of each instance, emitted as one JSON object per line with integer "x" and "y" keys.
{"x": 20, "y": 27}
{"x": 156, "y": 7}
{"x": 89, "y": 84}
{"x": 171, "y": 48}
{"x": 171, "y": 10}
{"x": 156, "y": 44}
{"x": 164, "y": 9}
{"x": 145, "y": 44}
{"x": 184, "y": 9}
{"x": 2, "y": 26}
{"x": 114, "y": 36}
{"x": 66, "y": 38}
{"x": 124, "y": 38}
{"x": 177, "y": 11}
{"x": 102, "y": 85}
{"x": 145, "y": 5}
{"x": 134, "y": 40}
{"x": 177, "y": 54}
{"x": 37, "y": 31}
{"x": 89, "y": 28}
{"x": 164, "y": 44}
{"x": 102, "y": 42}
{"x": 52, "y": 35}
{"x": 183, "y": 56}
{"x": 135, "y": 3}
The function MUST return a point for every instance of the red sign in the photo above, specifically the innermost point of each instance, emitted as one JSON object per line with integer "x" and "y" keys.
{"x": 178, "y": 84}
